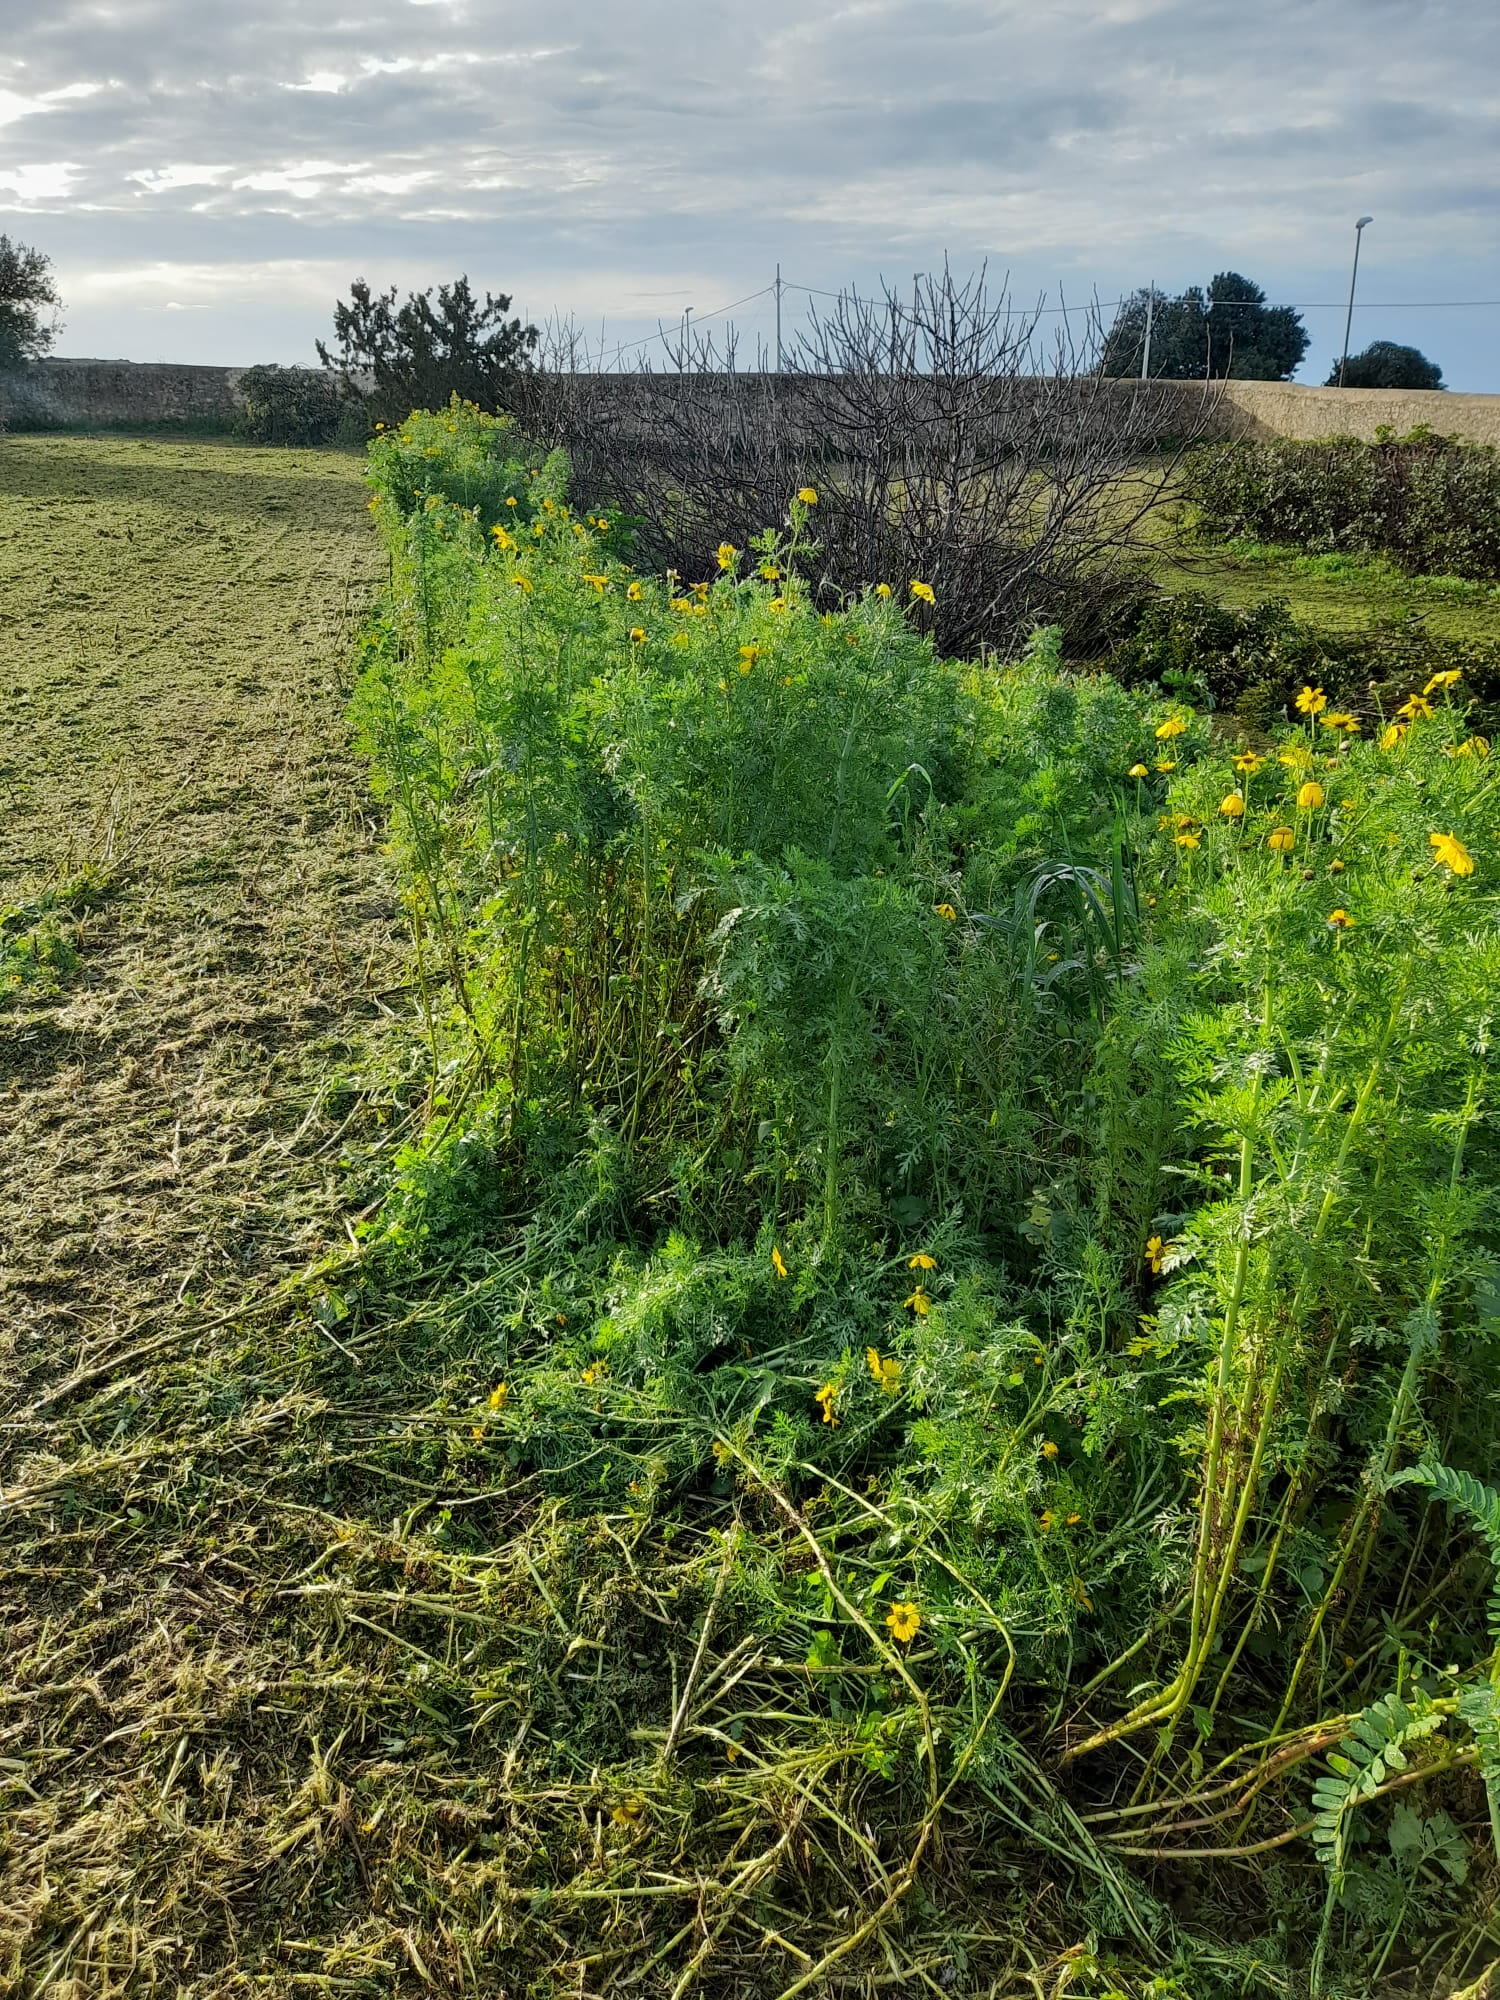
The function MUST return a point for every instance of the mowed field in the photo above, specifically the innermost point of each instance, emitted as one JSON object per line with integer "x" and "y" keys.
{"x": 198, "y": 932}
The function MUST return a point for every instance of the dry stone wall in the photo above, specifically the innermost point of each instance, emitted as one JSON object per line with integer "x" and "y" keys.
{"x": 80, "y": 393}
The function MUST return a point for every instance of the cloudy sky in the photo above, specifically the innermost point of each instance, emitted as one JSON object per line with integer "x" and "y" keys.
{"x": 208, "y": 179}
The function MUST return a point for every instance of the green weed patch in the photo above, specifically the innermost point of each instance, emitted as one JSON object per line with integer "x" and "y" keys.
{"x": 1007, "y": 1179}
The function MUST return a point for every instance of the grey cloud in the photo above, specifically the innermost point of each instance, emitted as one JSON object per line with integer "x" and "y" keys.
{"x": 666, "y": 147}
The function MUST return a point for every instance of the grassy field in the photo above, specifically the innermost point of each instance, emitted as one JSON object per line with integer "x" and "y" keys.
{"x": 197, "y": 928}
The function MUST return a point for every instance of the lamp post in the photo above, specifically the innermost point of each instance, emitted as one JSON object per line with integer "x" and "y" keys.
{"x": 1359, "y": 229}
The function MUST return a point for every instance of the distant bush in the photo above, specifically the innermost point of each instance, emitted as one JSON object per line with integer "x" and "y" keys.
{"x": 1254, "y": 662}
{"x": 292, "y": 406}
{"x": 1430, "y": 503}
{"x": 1386, "y": 364}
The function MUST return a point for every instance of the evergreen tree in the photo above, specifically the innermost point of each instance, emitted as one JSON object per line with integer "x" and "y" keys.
{"x": 1386, "y": 364}
{"x": 1198, "y": 335}
{"x": 27, "y": 330}
{"x": 418, "y": 355}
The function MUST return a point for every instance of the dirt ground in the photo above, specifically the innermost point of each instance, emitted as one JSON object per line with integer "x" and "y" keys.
{"x": 177, "y": 785}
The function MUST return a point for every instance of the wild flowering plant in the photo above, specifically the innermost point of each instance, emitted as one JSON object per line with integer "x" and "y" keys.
{"x": 1032, "y": 1147}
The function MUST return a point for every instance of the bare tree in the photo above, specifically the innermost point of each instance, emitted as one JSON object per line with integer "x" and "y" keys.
{"x": 950, "y": 437}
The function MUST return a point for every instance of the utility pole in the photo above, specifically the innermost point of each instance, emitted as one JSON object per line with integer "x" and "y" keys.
{"x": 1359, "y": 229}
{"x": 778, "y": 318}
{"x": 1146, "y": 350}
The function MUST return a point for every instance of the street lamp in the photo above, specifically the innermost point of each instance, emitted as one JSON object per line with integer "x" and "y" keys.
{"x": 1359, "y": 229}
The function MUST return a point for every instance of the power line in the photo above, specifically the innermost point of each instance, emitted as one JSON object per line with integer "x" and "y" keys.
{"x": 782, "y": 285}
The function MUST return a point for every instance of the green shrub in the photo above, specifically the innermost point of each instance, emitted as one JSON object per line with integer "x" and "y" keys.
{"x": 289, "y": 406}
{"x": 1429, "y": 503}
{"x": 1255, "y": 662}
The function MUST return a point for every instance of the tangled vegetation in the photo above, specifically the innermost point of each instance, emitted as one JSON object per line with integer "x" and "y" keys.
{"x": 1008, "y": 1172}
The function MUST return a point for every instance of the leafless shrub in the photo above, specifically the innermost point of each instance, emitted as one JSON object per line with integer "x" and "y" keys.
{"x": 952, "y": 438}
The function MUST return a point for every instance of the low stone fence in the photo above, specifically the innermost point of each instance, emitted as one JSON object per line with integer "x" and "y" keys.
{"x": 76, "y": 395}
{"x": 68, "y": 394}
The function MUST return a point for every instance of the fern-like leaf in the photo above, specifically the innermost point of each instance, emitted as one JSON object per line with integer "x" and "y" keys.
{"x": 1482, "y": 1505}
{"x": 1373, "y": 1749}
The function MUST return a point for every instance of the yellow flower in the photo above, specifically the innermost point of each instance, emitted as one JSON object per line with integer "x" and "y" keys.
{"x": 1448, "y": 679}
{"x": 1281, "y": 840}
{"x": 923, "y": 592}
{"x": 727, "y": 555}
{"x": 778, "y": 604}
{"x": 1473, "y": 746}
{"x": 511, "y": 502}
{"x": 637, "y": 634}
{"x": 807, "y": 495}
{"x": 600, "y": 583}
{"x": 1138, "y": 771}
{"x": 1049, "y": 1449}
{"x": 825, "y": 1398}
{"x": 1449, "y": 852}
{"x": 921, "y": 1262}
{"x": 1416, "y": 708}
{"x": 770, "y": 572}
{"x": 1074, "y": 1519}
{"x": 635, "y": 591}
{"x": 595, "y": 1372}
{"x": 579, "y": 529}
{"x": 522, "y": 583}
{"x": 887, "y": 1372}
{"x": 1173, "y": 726}
{"x": 1335, "y": 867}
{"x": 1310, "y": 797}
{"x": 1167, "y": 764}
{"x": 628, "y": 1812}
{"x": 538, "y": 528}
{"x": 1335, "y": 720}
{"x": 1391, "y": 735}
{"x": 499, "y": 1396}
{"x": 476, "y": 1430}
{"x": 602, "y": 525}
{"x": 1154, "y": 1248}
{"x": 549, "y": 506}
{"x": 778, "y": 1262}
{"x": 1046, "y": 1520}
{"x": 1080, "y": 1596}
{"x": 904, "y": 1621}
{"x": 1189, "y": 840}
{"x": 1296, "y": 756}
{"x": 1312, "y": 701}
{"x": 1248, "y": 760}
{"x": 699, "y": 590}
{"x": 919, "y": 1302}
{"x": 947, "y": 912}
{"x": 1232, "y": 805}
{"x": 748, "y": 656}
{"x": 882, "y": 590}
{"x": 1340, "y": 920}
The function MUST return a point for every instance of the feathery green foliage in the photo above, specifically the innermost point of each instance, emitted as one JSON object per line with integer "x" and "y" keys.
{"x": 1030, "y": 1160}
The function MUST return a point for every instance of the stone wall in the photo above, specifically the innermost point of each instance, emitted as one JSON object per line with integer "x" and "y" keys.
{"x": 78, "y": 394}
{"x": 1297, "y": 410}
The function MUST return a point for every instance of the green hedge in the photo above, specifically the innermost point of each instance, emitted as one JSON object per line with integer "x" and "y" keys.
{"x": 1431, "y": 504}
{"x": 1254, "y": 662}
{"x": 297, "y": 406}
